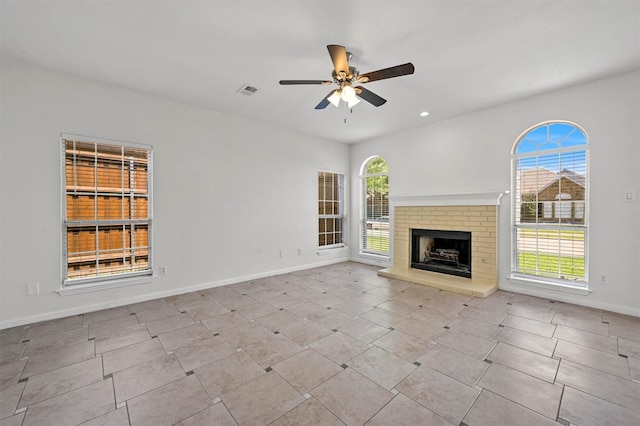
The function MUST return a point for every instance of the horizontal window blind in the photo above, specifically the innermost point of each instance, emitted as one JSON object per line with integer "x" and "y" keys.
{"x": 330, "y": 209}
{"x": 375, "y": 209}
{"x": 550, "y": 204}
{"x": 107, "y": 210}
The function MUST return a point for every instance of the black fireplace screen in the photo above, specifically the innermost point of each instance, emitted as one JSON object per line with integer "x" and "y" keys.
{"x": 447, "y": 252}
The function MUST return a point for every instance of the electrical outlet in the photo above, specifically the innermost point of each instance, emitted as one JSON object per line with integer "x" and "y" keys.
{"x": 299, "y": 252}
{"x": 282, "y": 253}
{"x": 163, "y": 270}
{"x": 603, "y": 279}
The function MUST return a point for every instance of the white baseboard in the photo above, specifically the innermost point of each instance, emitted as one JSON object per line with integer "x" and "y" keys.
{"x": 157, "y": 295}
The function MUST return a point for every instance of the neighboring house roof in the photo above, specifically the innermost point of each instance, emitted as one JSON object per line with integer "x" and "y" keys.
{"x": 540, "y": 178}
{"x": 534, "y": 180}
{"x": 567, "y": 174}
{"x": 575, "y": 177}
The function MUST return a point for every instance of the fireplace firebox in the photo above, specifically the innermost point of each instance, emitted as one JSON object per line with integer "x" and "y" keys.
{"x": 447, "y": 252}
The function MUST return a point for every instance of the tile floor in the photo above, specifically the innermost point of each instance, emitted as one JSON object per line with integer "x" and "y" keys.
{"x": 326, "y": 346}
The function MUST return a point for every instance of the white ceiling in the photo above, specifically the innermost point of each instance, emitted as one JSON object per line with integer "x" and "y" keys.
{"x": 468, "y": 55}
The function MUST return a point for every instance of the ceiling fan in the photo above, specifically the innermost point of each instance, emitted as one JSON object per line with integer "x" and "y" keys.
{"x": 345, "y": 75}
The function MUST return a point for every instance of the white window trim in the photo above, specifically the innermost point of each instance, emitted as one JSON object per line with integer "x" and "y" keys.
{"x": 560, "y": 285}
{"x": 535, "y": 281}
{"x": 105, "y": 285}
{"x": 363, "y": 211}
{"x": 331, "y": 247}
{"x": 334, "y": 248}
{"x": 77, "y": 286}
{"x": 375, "y": 256}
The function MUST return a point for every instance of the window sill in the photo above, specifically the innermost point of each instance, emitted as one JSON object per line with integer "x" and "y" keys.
{"x": 332, "y": 250}
{"x": 104, "y": 285}
{"x": 549, "y": 285}
{"x": 376, "y": 256}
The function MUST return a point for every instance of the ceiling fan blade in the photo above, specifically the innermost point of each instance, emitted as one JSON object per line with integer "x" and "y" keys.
{"x": 339, "y": 57}
{"x": 325, "y": 102}
{"x": 291, "y": 82}
{"x": 369, "y": 96}
{"x": 391, "y": 72}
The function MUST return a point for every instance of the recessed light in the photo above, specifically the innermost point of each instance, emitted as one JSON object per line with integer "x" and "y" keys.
{"x": 424, "y": 114}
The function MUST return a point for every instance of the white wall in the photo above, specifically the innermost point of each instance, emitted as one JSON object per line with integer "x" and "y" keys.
{"x": 229, "y": 193}
{"x": 472, "y": 153}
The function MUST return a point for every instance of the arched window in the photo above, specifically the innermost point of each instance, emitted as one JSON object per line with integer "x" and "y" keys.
{"x": 550, "y": 204}
{"x": 374, "y": 176}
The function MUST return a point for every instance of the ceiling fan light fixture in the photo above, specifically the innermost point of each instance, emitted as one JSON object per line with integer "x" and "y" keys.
{"x": 353, "y": 102}
{"x": 335, "y": 98}
{"x": 349, "y": 94}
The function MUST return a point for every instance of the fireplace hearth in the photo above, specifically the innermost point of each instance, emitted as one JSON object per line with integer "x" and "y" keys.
{"x": 475, "y": 213}
{"x": 446, "y": 252}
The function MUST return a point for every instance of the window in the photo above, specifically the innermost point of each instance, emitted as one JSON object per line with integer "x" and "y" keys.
{"x": 330, "y": 209}
{"x": 106, "y": 210}
{"x": 550, "y": 204}
{"x": 375, "y": 206}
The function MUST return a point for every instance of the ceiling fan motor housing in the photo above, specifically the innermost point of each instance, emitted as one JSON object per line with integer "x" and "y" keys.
{"x": 339, "y": 78}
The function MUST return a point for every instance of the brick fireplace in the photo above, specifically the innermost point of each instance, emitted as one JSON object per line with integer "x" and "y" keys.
{"x": 474, "y": 213}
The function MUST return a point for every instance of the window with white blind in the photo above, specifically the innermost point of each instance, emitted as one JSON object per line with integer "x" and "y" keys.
{"x": 374, "y": 223}
{"x": 106, "y": 210}
{"x": 330, "y": 209}
{"x": 550, "y": 205}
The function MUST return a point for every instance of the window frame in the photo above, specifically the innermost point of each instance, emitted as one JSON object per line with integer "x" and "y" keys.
{"x": 115, "y": 278}
{"x": 537, "y": 280}
{"x": 364, "y": 208}
{"x": 340, "y": 215}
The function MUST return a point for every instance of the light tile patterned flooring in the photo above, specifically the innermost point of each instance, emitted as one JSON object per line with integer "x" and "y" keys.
{"x": 326, "y": 346}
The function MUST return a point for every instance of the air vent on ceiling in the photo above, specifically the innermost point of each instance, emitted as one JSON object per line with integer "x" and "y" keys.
{"x": 247, "y": 90}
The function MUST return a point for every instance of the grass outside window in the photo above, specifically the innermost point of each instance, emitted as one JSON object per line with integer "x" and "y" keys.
{"x": 552, "y": 234}
{"x": 377, "y": 243}
{"x": 549, "y": 265}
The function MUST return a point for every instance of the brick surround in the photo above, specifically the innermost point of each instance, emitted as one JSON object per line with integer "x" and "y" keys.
{"x": 480, "y": 220}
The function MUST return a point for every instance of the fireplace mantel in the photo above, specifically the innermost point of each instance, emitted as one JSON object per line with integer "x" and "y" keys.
{"x": 470, "y": 212}
{"x": 464, "y": 199}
